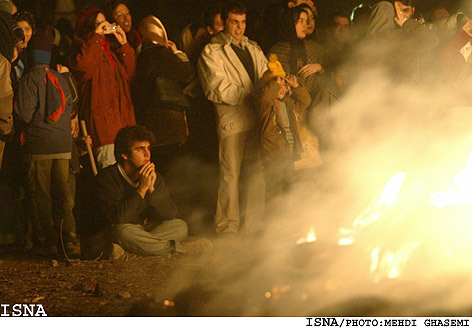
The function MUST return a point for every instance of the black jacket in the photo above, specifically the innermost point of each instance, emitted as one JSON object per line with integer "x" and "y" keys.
{"x": 33, "y": 103}
{"x": 119, "y": 203}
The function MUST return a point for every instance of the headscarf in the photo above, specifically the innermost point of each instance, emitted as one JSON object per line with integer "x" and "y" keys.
{"x": 83, "y": 16}
{"x": 152, "y": 30}
{"x": 381, "y": 19}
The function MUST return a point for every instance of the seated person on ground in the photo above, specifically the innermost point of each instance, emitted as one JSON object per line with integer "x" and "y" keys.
{"x": 133, "y": 200}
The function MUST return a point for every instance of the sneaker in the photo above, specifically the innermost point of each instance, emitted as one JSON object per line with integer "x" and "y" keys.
{"x": 194, "y": 245}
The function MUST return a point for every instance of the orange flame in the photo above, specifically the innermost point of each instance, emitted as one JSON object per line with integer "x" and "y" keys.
{"x": 309, "y": 238}
{"x": 460, "y": 194}
{"x": 388, "y": 263}
{"x": 387, "y": 200}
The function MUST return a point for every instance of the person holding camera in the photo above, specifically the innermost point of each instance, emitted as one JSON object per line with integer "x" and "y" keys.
{"x": 104, "y": 76}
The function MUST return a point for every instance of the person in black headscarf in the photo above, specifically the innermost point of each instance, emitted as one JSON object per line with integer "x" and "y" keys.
{"x": 297, "y": 54}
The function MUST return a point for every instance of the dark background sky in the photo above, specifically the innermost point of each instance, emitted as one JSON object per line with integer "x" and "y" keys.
{"x": 175, "y": 14}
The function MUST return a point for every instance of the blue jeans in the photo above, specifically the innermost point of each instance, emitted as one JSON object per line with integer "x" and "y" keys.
{"x": 146, "y": 241}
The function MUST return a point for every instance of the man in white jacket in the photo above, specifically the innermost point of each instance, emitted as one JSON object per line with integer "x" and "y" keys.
{"x": 229, "y": 67}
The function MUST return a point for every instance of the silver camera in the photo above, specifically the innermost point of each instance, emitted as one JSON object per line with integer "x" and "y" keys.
{"x": 111, "y": 28}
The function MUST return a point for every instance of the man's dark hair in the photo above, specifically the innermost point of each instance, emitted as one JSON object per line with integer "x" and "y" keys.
{"x": 234, "y": 8}
{"x": 407, "y": 2}
{"x": 111, "y": 6}
{"x": 126, "y": 137}
{"x": 338, "y": 13}
{"x": 208, "y": 16}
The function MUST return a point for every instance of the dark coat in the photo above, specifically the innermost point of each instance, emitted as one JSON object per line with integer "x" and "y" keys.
{"x": 31, "y": 107}
{"x": 105, "y": 100}
{"x": 169, "y": 126}
{"x": 315, "y": 53}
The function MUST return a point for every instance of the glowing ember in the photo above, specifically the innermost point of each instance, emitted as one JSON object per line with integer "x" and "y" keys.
{"x": 169, "y": 303}
{"x": 309, "y": 238}
{"x": 460, "y": 194}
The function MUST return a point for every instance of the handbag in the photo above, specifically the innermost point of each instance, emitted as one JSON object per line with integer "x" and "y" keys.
{"x": 169, "y": 94}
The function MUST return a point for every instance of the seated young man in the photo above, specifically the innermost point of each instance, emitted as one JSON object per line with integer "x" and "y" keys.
{"x": 133, "y": 200}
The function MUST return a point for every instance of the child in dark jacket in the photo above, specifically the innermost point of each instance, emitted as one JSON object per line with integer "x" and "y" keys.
{"x": 43, "y": 109}
{"x": 281, "y": 107}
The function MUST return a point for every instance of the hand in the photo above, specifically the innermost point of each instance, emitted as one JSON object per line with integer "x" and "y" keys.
{"x": 88, "y": 140}
{"x": 62, "y": 68}
{"x": 280, "y": 81}
{"x": 145, "y": 178}
{"x": 120, "y": 35}
{"x": 399, "y": 18}
{"x": 310, "y": 69}
{"x": 75, "y": 127}
{"x": 292, "y": 81}
{"x": 172, "y": 46}
{"x": 101, "y": 28}
{"x": 468, "y": 27}
{"x": 153, "y": 180}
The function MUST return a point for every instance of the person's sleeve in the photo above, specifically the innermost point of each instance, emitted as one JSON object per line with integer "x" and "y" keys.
{"x": 177, "y": 66}
{"x": 26, "y": 99}
{"x": 6, "y": 98}
{"x": 88, "y": 60}
{"x": 127, "y": 56}
{"x": 161, "y": 201}
{"x": 113, "y": 205}
{"x": 301, "y": 98}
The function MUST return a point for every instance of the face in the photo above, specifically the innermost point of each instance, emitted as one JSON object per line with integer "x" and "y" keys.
{"x": 27, "y": 29}
{"x": 310, "y": 24}
{"x": 100, "y": 19}
{"x": 404, "y": 11}
{"x": 235, "y": 26}
{"x": 301, "y": 25}
{"x": 341, "y": 79}
{"x": 218, "y": 25}
{"x": 341, "y": 27}
{"x": 283, "y": 88}
{"x": 122, "y": 17}
{"x": 140, "y": 154}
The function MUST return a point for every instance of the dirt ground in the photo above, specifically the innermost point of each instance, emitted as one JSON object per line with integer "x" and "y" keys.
{"x": 84, "y": 288}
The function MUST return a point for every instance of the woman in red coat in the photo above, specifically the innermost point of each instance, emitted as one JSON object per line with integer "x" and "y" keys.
{"x": 104, "y": 76}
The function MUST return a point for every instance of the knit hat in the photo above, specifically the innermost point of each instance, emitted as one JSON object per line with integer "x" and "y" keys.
{"x": 39, "y": 49}
{"x": 153, "y": 30}
{"x": 83, "y": 16}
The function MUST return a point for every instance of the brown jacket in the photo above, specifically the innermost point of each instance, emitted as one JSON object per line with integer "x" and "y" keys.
{"x": 273, "y": 140}
{"x": 105, "y": 101}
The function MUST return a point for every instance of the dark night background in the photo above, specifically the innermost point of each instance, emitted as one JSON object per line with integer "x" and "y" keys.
{"x": 176, "y": 14}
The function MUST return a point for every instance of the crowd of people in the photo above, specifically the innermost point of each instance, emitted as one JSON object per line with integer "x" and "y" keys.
{"x": 136, "y": 101}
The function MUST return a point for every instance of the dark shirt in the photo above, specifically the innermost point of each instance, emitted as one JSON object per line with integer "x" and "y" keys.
{"x": 246, "y": 59}
{"x": 120, "y": 203}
